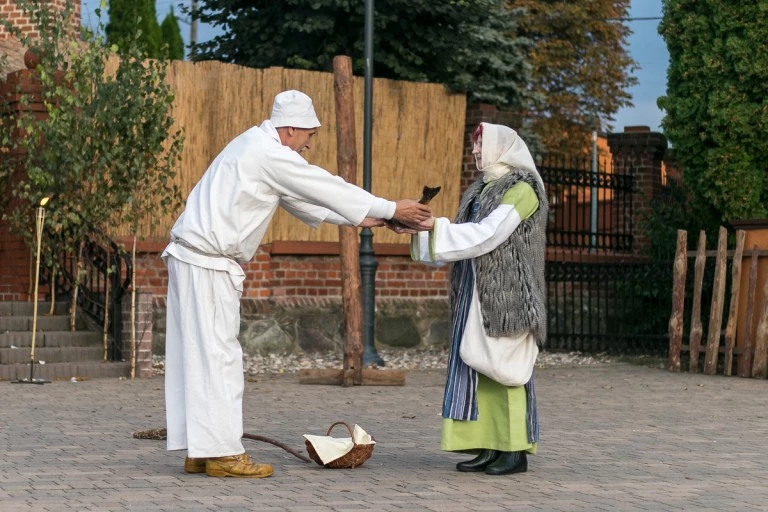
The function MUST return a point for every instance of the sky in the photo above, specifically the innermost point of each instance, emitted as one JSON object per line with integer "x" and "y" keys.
{"x": 646, "y": 47}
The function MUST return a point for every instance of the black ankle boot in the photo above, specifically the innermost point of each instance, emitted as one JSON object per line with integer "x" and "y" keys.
{"x": 508, "y": 463}
{"x": 479, "y": 463}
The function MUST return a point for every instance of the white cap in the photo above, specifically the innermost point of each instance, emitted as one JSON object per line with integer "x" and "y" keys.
{"x": 293, "y": 108}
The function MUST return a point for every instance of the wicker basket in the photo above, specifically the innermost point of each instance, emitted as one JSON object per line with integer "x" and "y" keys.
{"x": 354, "y": 458}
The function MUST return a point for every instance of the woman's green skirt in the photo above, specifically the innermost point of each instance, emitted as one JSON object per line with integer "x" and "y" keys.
{"x": 500, "y": 421}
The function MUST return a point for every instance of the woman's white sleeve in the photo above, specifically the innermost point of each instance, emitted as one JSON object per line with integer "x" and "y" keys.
{"x": 453, "y": 242}
{"x": 420, "y": 249}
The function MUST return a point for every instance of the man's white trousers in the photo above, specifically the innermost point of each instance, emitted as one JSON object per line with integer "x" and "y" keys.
{"x": 203, "y": 361}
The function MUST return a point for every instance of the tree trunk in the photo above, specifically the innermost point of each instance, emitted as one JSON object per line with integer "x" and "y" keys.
{"x": 133, "y": 310}
{"x": 53, "y": 290}
{"x": 75, "y": 288}
{"x": 106, "y": 310}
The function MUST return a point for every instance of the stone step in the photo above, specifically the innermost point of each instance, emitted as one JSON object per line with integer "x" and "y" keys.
{"x": 65, "y": 371}
{"x": 44, "y": 323}
{"x": 50, "y": 339}
{"x": 27, "y": 308}
{"x": 52, "y": 355}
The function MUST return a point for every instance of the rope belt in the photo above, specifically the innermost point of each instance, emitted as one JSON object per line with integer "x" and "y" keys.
{"x": 187, "y": 245}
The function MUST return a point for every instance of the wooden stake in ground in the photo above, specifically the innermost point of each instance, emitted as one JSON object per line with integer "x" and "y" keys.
{"x": 694, "y": 341}
{"x": 733, "y": 313}
{"x": 678, "y": 302}
{"x": 351, "y": 291}
{"x": 760, "y": 362}
{"x": 335, "y": 377}
{"x": 352, "y": 373}
{"x": 744, "y": 365}
{"x": 716, "y": 311}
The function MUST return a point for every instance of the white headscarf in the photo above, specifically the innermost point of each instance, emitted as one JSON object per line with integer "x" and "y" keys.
{"x": 503, "y": 150}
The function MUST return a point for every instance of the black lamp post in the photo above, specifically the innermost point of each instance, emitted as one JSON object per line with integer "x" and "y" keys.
{"x": 368, "y": 263}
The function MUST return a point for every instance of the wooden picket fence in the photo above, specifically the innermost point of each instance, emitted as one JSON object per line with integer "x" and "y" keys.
{"x": 752, "y": 353}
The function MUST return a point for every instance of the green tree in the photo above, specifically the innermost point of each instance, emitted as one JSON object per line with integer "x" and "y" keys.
{"x": 580, "y": 68}
{"x": 128, "y": 16}
{"x": 716, "y": 106}
{"x": 469, "y": 45}
{"x": 105, "y": 146}
{"x": 172, "y": 36}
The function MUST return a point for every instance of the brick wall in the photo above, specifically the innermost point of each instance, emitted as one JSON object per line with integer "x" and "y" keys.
{"x": 641, "y": 151}
{"x": 15, "y": 255}
{"x": 287, "y": 277}
{"x": 9, "y": 10}
{"x": 14, "y": 271}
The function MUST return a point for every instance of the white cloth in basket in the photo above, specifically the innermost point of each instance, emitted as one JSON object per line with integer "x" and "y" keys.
{"x": 330, "y": 448}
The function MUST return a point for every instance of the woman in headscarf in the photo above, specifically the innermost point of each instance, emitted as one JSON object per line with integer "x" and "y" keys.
{"x": 497, "y": 243}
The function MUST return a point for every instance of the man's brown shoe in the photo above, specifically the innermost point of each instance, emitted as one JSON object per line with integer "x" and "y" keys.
{"x": 192, "y": 465}
{"x": 237, "y": 466}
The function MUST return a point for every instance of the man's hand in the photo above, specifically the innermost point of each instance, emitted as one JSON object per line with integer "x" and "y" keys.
{"x": 370, "y": 222}
{"x": 411, "y": 213}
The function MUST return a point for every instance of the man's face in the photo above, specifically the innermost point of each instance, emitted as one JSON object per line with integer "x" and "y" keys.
{"x": 298, "y": 139}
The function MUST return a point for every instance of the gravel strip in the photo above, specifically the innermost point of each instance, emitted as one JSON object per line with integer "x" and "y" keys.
{"x": 413, "y": 359}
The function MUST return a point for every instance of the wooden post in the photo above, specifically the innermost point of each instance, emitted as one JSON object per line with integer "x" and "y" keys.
{"x": 678, "y": 302}
{"x": 733, "y": 313}
{"x": 716, "y": 311}
{"x": 760, "y": 362}
{"x": 371, "y": 377}
{"x": 694, "y": 341}
{"x": 343, "y": 88}
{"x": 744, "y": 365}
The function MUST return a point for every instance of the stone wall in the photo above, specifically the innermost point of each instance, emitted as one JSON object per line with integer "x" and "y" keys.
{"x": 308, "y": 324}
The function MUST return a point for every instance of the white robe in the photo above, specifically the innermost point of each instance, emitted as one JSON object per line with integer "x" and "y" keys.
{"x": 226, "y": 216}
{"x": 449, "y": 242}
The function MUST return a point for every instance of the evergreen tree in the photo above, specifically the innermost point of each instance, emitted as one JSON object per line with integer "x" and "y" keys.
{"x": 469, "y": 45}
{"x": 172, "y": 36}
{"x": 126, "y": 16}
{"x": 717, "y": 102}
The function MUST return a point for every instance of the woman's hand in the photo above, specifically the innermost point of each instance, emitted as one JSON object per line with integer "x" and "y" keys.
{"x": 427, "y": 225}
{"x": 370, "y": 222}
{"x": 400, "y": 229}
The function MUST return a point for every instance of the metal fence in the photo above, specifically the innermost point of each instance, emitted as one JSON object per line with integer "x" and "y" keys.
{"x": 618, "y": 307}
{"x": 588, "y": 210}
{"x": 601, "y": 296}
{"x": 103, "y": 276}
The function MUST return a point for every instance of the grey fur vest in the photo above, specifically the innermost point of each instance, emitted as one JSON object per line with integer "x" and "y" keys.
{"x": 510, "y": 279}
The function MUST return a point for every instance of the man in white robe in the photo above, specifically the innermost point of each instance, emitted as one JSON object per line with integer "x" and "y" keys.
{"x": 226, "y": 216}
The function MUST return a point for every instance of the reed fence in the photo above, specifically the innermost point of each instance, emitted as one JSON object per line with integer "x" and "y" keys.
{"x": 418, "y": 132}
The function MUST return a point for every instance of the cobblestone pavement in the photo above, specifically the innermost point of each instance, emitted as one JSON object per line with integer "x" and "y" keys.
{"x": 614, "y": 437}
